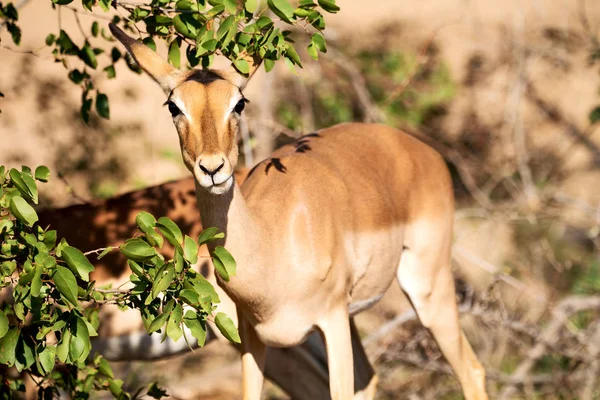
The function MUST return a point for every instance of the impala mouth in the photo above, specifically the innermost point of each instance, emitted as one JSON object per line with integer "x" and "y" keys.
{"x": 219, "y": 187}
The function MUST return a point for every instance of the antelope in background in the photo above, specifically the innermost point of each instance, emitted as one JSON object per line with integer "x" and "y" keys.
{"x": 300, "y": 371}
{"x": 320, "y": 229}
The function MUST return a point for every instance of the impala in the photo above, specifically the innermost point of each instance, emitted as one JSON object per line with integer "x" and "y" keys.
{"x": 300, "y": 371}
{"x": 320, "y": 229}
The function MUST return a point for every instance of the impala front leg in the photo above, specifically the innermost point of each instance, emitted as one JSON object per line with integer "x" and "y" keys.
{"x": 337, "y": 336}
{"x": 253, "y": 360}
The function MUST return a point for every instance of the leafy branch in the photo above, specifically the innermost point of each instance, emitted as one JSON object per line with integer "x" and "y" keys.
{"x": 200, "y": 29}
{"x": 46, "y": 332}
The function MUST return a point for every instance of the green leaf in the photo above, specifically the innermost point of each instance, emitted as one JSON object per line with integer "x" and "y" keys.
{"x": 102, "y": 107}
{"x": 156, "y": 392}
{"x": 50, "y": 239}
{"x": 36, "y": 283}
{"x": 16, "y": 177}
{"x": 116, "y": 388}
{"x": 104, "y": 368}
{"x": 170, "y": 230}
{"x": 111, "y": 73}
{"x": 23, "y": 211}
{"x": 145, "y": 221}
{"x": 162, "y": 318}
{"x": 66, "y": 284}
{"x": 230, "y": 6}
{"x": 595, "y": 115}
{"x": 282, "y": 9}
{"x": 4, "y": 324}
{"x": 148, "y": 41}
{"x": 86, "y": 106}
{"x": 77, "y": 76}
{"x": 163, "y": 281}
{"x": 208, "y": 235}
{"x": 302, "y": 12}
{"x": 196, "y": 325}
{"x": 62, "y": 350}
{"x": 181, "y": 27}
{"x": 226, "y": 259}
{"x": 292, "y": 55}
{"x": 80, "y": 345}
{"x": 158, "y": 322}
{"x": 319, "y": 42}
{"x": 312, "y": 51}
{"x": 220, "y": 268}
{"x": 88, "y": 56}
{"x": 242, "y": 66}
{"x": 50, "y": 39}
{"x": 47, "y": 358}
{"x": 138, "y": 250}
{"x": 190, "y": 250}
{"x": 251, "y": 6}
{"x": 8, "y": 346}
{"x": 173, "y": 326}
{"x": 42, "y": 173}
{"x": 225, "y": 26}
{"x": 105, "y": 252}
{"x": 189, "y": 296}
{"x": 269, "y": 64}
{"x": 31, "y": 186}
{"x": 25, "y": 353}
{"x": 95, "y": 28}
{"x": 264, "y": 22}
{"x": 329, "y": 6}
{"x": 77, "y": 262}
{"x": 174, "y": 53}
{"x": 66, "y": 44}
{"x": 227, "y": 327}
{"x": 203, "y": 288}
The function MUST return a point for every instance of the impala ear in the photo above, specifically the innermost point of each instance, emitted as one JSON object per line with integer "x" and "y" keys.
{"x": 161, "y": 71}
{"x": 237, "y": 77}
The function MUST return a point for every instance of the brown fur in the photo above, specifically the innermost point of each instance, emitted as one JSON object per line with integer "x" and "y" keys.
{"x": 324, "y": 232}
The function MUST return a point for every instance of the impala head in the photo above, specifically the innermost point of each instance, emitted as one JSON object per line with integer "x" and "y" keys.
{"x": 206, "y": 106}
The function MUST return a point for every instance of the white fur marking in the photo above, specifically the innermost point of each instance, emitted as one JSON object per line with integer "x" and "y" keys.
{"x": 181, "y": 107}
{"x": 232, "y": 103}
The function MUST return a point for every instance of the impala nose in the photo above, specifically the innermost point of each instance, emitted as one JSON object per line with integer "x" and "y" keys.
{"x": 209, "y": 170}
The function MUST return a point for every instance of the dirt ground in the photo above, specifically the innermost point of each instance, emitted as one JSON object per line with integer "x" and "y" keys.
{"x": 523, "y": 61}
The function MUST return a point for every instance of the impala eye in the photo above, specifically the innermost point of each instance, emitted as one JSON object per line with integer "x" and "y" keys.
{"x": 239, "y": 107}
{"x": 173, "y": 109}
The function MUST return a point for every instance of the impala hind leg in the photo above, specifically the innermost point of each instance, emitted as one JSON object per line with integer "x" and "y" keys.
{"x": 253, "y": 360}
{"x": 336, "y": 334}
{"x": 427, "y": 281}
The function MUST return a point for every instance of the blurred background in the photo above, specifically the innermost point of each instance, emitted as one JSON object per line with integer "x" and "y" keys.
{"x": 506, "y": 91}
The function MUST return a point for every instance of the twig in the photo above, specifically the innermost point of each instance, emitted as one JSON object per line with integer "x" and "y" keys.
{"x": 76, "y": 15}
{"x": 567, "y": 307}
{"x": 593, "y": 370}
{"x": 117, "y": 291}
{"x": 98, "y": 251}
{"x": 152, "y": 7}
{"x": 421, "y": 60}
{"x": 87, "y": 13}
{"x": 28, "y": 52}
{"x": 70, "y": 189}
{"x": 370, "y": 111}
{"x": 514, "y": 114}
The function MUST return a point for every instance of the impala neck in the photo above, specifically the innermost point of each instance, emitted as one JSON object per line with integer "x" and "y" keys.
{"x": 230, "y": 213}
